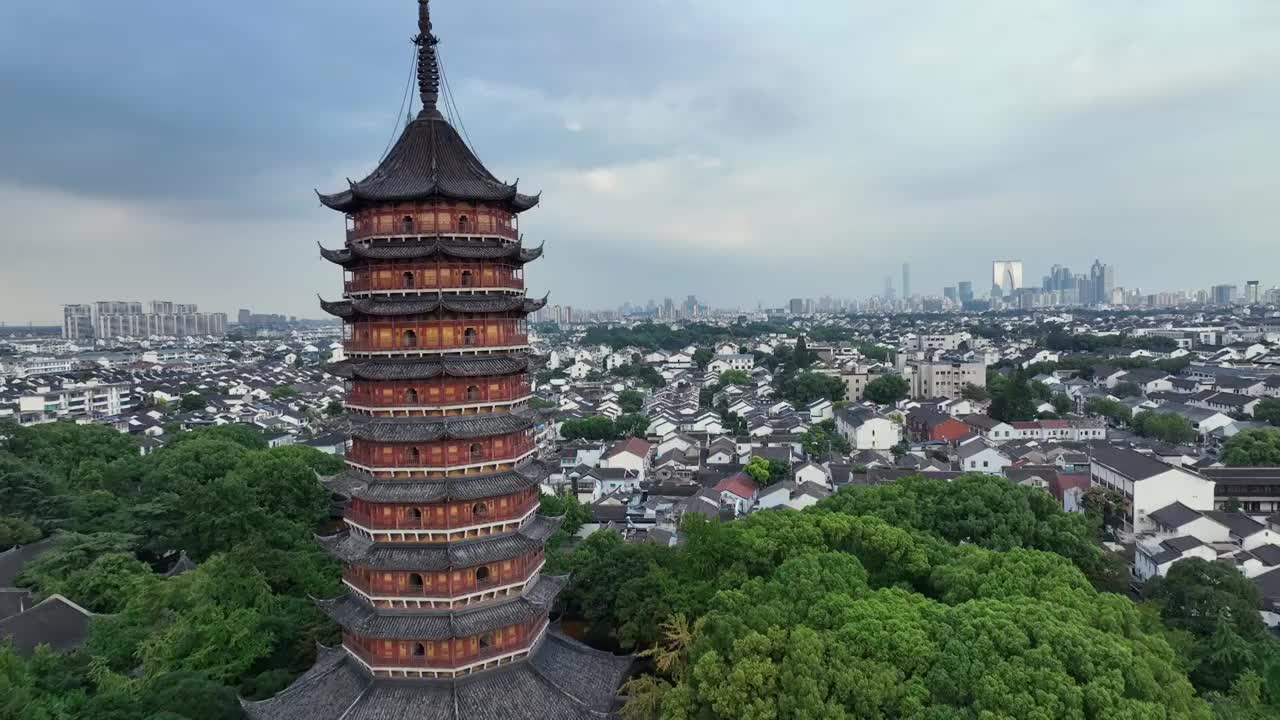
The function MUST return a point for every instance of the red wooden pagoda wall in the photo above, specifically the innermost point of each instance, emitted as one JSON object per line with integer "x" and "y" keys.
{"x": 441, "y": 516}
{"x": 443, "y": 653}
{"x": 430, "y": 217}
{"x": 437, "y": 391}
{"x": 414, "y": 334}
{"x": 444, "y": 583}
{"x": 443, "y": 453}
{"x": 435, "y": 275}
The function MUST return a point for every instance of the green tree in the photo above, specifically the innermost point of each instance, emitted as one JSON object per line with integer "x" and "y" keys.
{"x": 592, "y": 428}
{"x": 803, "y": 388}
{"x": 886, "y": 389}
{"x": 283, "y": 392}
{"x": 1127, "y": 390}
{"x": 16, "y": 531}
{"x": 734, "y": 377}
{"x": 1165, "y": 427}
{"x": 822, "y": 439}
{"x": 1015, "y": 400}
{"x": 632, "y": 401}
{"x": 1253, "y": 447}
{"x": 1061, "y": 403}
{"x": 1110, "y": 409}
{"x": 335, "y": 408}
{"x": 974, "y": 393}
{"x": 758, "y": 468}
{"x": 1267, "y": 410}
{"x": 701, "y": 357}
{"x": 192, "y": 403}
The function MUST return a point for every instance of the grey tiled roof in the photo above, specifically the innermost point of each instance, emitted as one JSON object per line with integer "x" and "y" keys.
{"x": 497, "y": 303}
{"x": 356, "y": 550}
{"x": 428, "y": 429}
{"x": 356, "y": 484}
{"x": 56, "y": 622}
{"x": 424, "y": 369}
{"x": 424, "y": 247}
{"x": 1133, "y": 465}
{"x": 13, "y": 559}
{"x": 358, "y": 617}
{"x": 1174, "y": 515}
{"x": 561, "y": 680}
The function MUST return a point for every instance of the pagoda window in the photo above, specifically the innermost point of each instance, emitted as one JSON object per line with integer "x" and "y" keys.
{"x": 470, "y": 336}
{"x": 480, "y": 510}
{"x": 473, "y": 392}
{"x": 415, "y": 515}
{"x": 415, "y": 581}
{"x": 410, "y": 338}
{"x": 414, "y": 455}
{"x": 467, "y": 278}
{"x": 411, "y": 396}
{"x": 407, "y": 222}
{"x": 406, "y": 280}
{"x": 477, "y": 453}
{"x": 482, "y": 575}
{"x": 486, "y": 640}
{"x": 419, "y": 650}
{"x": 462, "y": 223}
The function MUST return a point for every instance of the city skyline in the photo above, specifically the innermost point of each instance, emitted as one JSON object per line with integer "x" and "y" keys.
{"x": 181, "y": 162}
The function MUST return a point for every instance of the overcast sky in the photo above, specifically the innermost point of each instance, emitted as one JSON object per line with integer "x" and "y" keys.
{"x": 741, "y": 150}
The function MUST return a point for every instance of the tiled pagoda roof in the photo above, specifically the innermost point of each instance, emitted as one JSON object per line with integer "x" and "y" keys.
{"x": 421, "y": 305}
{"x": 430, "y": 246}
{"x": 561, "y": 680}
{"x": 430, "y": 429}
{"x": 362, "y": 486}
{"x": 426, "y": 368}
{"x": 356, "y": 550}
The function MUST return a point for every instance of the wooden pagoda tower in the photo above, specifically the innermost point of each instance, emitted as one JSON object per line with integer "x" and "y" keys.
{"x": 446, "y": 609}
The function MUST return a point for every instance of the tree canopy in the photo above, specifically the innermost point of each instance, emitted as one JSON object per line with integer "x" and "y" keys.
{"x": 1253, "y": 447}
{"x": 917, "y": 599}
{"x": 1165, "y": 427}
{"x": 887, "y": 389}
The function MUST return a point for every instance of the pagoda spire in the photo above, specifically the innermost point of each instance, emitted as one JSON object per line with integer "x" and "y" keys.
{"x": 428, "y": 65}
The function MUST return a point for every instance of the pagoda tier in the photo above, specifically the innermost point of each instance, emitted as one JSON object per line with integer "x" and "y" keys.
{"x": 446, "y": 614}
{"x": 412, "y": 247}
{"x": 560, "y": 680}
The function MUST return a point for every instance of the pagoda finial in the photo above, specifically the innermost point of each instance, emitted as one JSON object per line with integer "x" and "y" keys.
{"x": 428, "y": 67}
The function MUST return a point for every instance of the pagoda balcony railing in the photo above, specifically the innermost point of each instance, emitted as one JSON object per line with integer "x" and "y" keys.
{"x": 368, "y": 454}
{"x": 434, "y": 535}
{"x": 427, "y": 229}
{"x": 484, "y": 591}
{"x": 437, "y": 469}
{"x": 372, "y": 522}
{"x": 385, "y": 338}
{"x": 409, "y": 279}
{"x": 444, "y": 665}
{"x": 438, "y": 395}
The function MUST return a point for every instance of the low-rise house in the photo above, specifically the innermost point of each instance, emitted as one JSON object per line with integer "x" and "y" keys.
{"x": 977, "y": 456}
{"x": 1147, "y": 484}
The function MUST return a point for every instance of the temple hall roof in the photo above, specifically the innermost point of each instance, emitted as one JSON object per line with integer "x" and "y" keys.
{"x": 429, "y": 429}
{"x": 562, "y": 680}
{"x": 356, "y": 550}
{"x": 55, "y": 621}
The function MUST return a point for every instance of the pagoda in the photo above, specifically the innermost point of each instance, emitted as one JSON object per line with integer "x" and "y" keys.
{"x": 446, "y": 611}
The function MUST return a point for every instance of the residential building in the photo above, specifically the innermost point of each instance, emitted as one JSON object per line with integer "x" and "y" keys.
{"x": 1147, "y": 484}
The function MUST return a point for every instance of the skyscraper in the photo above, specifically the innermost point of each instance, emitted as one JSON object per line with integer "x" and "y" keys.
{"x": 1102, "y": 280}
{"x": 1006, "y": 276}
{"x": 1251, "y": 294}
{"x": 77, "y": 322}
{"x": 1222, "y": 294}
{"x": 906, "y": 281}
{"x": 446, "y": 608}
{"x": 964, "y": 289}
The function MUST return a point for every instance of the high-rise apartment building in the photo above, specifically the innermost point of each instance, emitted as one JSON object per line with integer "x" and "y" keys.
{"x": 77, "y": 322}
{"x": 964, "y": 289}
{"x": 1251, "y": 292}
{"x": 1222, "y": 294}
{"x": 113, "y": 318}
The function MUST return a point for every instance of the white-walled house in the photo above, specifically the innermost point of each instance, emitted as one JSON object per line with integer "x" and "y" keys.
{"x": 977, "y": 456}
{"x": 867, "y": 430}
{"x": 1147, "y": 484}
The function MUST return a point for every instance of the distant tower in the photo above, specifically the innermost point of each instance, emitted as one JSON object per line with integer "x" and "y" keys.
{"x": 1006, "y": 276}
{"x": 1251, "y": 294}
{"x": 906, "y": 281}
{"x": 446, "y": 608}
